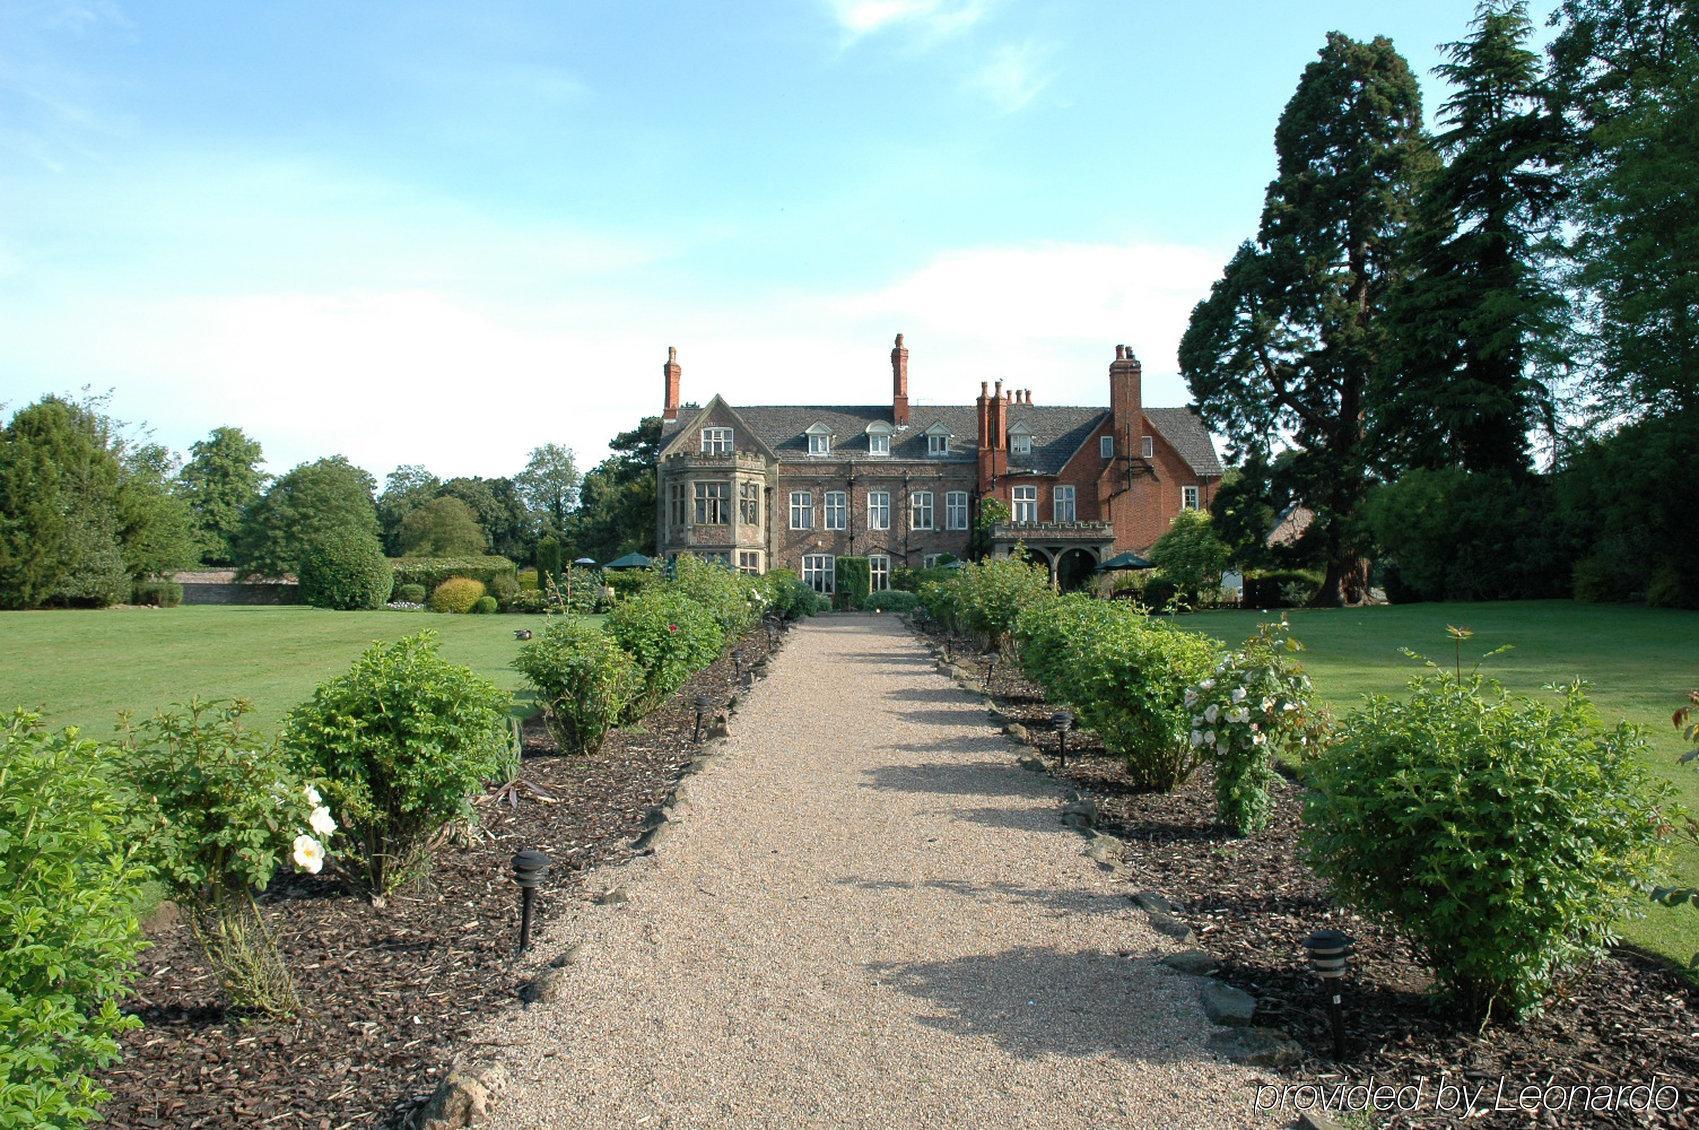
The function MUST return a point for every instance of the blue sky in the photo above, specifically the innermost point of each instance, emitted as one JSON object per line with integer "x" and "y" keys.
{"x": 446, "y": 233}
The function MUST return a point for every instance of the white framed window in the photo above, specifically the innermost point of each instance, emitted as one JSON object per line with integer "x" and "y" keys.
{"x": 749, "y": 503}
{"x": 1062, "y": 505}
{"x": 716, "y": 441}
{"x": 713, "y": 502}
{"x": 1026, "y": 504}
{"x": 749, "y": 561}
{"x": 1021, "y": 445}
{"x": 878, "y": 509}
{"x": 837, "y": 510}
{"x": 937, "y": 444}
{"x": 1106, "y": 447}
{"x": 879, "y": 572}
{"x": 1147, "y": 447}
{"x": 878, "y": 444}
{"x": 1189, "y": 498}
{"x": 678, "y": 509}
{"x": 955, "y": 510}
{"x": 802, "y": 510}
{"x": 817, "y": 571}
{"x": 819, "y": 444}
{"x": 920, "y": 510}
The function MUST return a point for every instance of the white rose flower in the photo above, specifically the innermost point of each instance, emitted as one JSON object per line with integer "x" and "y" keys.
{"x": 1197, "y": 737}
{"x": 1191, "y": 697}
{"x": 1258, "y": 739}
{"x": 321, "y": 822}
{"x": 1267, "y": 705}
{"x": 1238, "y": 694}
{"x": 1240, "y": 715}
{"x": 309, "y": 854}
{"x": 1289, "y": 707}
{"x": 313, "y": 796}
{"x": 1211, "y": 713}
{"x": 1208, "y": 684}
{"x": 1209, "y": 737}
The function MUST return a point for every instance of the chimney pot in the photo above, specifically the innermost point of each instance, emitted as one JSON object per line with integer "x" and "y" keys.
{"x": 899, "y": 383}
{"x": 671, "y": 376}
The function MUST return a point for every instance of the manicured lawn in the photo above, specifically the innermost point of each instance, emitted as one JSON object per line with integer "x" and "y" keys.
{"x": 1641, "y": 662}
{"x": 84, "y": 667}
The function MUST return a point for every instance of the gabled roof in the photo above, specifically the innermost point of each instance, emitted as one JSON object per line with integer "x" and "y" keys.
{"x": 1186, "y": 434}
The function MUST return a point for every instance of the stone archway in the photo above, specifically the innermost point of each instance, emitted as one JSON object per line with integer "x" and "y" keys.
{"x": 1074, "y": 568}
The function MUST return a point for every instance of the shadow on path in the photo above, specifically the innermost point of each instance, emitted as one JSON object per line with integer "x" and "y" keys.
{"x": 974, "y": 778}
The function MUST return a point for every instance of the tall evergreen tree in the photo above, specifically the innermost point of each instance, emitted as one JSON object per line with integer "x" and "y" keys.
{"x": 1289, "y": 338}
{"x": 220, "y": 481}
{"x": 616, "y": 512}
{"x": 1629, "y": 74}
{"x": 1476, "y": 328}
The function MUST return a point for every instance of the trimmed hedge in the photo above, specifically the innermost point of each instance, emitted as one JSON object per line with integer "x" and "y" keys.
{"x": 157, "y": 594}
{"x": 411, "y": 594}
{"x": 484, "y": 606}
{"x": 457, "y": 594}
{"x": 854, "y": 582}
{"x": 346, "y": 570}
{"x": 433, "y": 571}
{"x": 891, "y": 600}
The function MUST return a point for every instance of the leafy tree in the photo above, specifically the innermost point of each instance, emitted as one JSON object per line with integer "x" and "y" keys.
{"x": 1628, "y": 71}
{"x": 156, "y": 526}
{"x": 302, "y": 508}
{"x": 501, "y": 512}
{"x": 442, "y": 527}
{"x": 1476, "y": 325}
{"x": 59, "y": 532}
{"x": 405, "y": 489}
{"x": 616, "y": 512}
{"x": 549, "y": 485}
{"x": 220, "y": 481}
{"x": 1190, "y": 556}
{"x": 1289, "y": 337}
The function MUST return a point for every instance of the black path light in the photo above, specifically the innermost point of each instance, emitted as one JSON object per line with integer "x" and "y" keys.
{"x": 991, "y": 672}
{"x": 704, "y": 707}
{"x": 1330, "y": 952}
{"x": 743, "y": 677}
{"x": 529, "y": 868}
{"x": 771, "y": 620}
{"x": 1062, "y": 721}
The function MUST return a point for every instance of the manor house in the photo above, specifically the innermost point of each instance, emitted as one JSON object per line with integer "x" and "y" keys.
{"x": 758, "y": 487}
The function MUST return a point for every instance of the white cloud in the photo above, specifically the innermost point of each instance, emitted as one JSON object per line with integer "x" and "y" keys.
{"x": 1012, "y": 75}
{"x": 935, "y": 18}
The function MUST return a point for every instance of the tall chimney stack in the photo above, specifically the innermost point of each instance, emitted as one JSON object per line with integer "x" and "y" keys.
{"x": 899, "y": 383}
{"x": 672, "y": 372}
{"x": 1125, "y": 394}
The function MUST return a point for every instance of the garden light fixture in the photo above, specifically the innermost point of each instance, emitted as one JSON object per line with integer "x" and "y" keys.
{"x": 1062, "y": 721}
{"x": 704, "y": 706}
{"x": 737, "y": 667}
{"x": 990, "y": 672}
{"x": 529, "y": 868}
{"x": 1330, "y": 952}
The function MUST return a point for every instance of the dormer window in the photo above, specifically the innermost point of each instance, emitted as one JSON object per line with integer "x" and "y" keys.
{"x": 1020, "y": 440}
{"x": 938, "y": 444}
{"x": 716, "y": 441}
{"x": 819, "y": 439}
{"x": 879, "y": 438}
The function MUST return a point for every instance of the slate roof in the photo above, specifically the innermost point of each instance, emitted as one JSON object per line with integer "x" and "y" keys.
{"x": 1058, "y": 431}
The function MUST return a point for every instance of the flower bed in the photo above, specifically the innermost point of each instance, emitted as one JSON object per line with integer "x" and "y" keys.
{"x": 389, "y": 997}
{"x": 1251, "y": 901}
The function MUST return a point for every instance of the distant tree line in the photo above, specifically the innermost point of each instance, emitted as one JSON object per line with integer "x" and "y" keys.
{"x": 90, "y": 515}
{"x": 1422, "y": 318}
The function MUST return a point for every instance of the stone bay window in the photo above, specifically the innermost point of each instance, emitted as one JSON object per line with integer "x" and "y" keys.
{"x": 749, "y": 503}
{"x": 713, "y": 502}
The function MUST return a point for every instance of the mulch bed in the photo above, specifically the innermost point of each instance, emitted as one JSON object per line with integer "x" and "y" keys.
{"x": 392, "y": 995}
{"x": 1251, "y": 902}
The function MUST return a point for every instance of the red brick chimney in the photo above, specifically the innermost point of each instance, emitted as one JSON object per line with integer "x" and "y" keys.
{"x": 669, "y": 409}
{"x": 1126, "y": 376}
{"x": 899, "y": 383}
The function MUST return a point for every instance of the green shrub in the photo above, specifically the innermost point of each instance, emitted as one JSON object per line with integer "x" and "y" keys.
{"x": 401, "y": 743}
{"x": 583, "y": 680}
{"x": 1191, "y": 557}
{"x": 1604, "y": 578}
{"x": 909, "y": 579}
{"x": 550, "y": 557}
{"x": 532, "y": 601}
{"x": 787, "y": 595}
{"x": 69, "y": 883}
{"x": 627, "y": 583}
{"x": 731, "y": 598}
{"x": 157, "y": 594}
{"x": 346, "y": 570}
{"x": 1272, "y": 588}
{"x": 433, "y": 571}
{"x": 225, "y": 811}
{"x": 503, "y": 588}
{"x": 457, "y": 594}
{"x": 1126, "y": 676}
{"x": 484, "y": 605}
{"x": 1502, "y": 836}
{"x": 669, "y": 636}
{"x": 986, "y": 597}
{"x": 410, "y": 594}
{"x": 528, "y": 579}
{"x": 891, "y": 600}
{"x": 853, "y": 581}
{"x": 1254, "y": 705}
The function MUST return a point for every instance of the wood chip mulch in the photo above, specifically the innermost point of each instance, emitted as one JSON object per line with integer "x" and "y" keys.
{"x": 1632, "y": 1019}
{"x": 392, "y": 996}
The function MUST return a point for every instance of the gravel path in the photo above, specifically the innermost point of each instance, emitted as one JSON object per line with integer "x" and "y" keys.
{"x": 869, "y": 916}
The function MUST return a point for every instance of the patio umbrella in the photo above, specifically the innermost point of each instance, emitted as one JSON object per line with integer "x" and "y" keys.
{"x": 584, "y": 563}
{"x": 630, "y": 561}
{"x": 1128, "y": 560}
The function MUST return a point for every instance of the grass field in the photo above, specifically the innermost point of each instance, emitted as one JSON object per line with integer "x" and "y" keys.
{"x": 84, "y": 667}
{"x": 1641, "y": 662}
